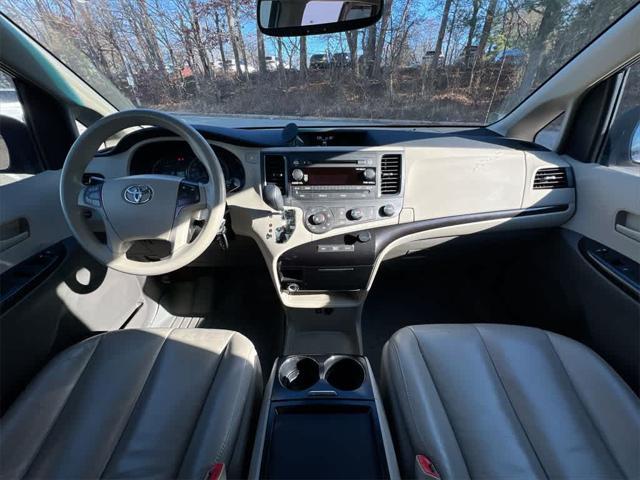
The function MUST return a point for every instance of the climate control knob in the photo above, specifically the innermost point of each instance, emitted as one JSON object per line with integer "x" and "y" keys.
{"x": 318, "y": 219}
{"x": 369, "y": 174}
{"x": 297, "y": 174}
{"x": 388, "y": 210}
{"x": 355, "y": 214}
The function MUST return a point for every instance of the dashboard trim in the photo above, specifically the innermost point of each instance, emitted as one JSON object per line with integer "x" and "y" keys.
{"x": 375, "y": 136}
{"x": 384, "y": 236}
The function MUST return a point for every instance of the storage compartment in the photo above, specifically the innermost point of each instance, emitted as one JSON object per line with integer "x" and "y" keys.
{"x": 338, "y": 263}
{"x": 344, "y": 373}
{"x": 299, "y": 373}
{"x": 331, "y": 277}
{"x": 338, "y": 440}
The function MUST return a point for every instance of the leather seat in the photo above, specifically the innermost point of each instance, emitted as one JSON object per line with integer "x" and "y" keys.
{"x": 500, "y": 401}
{"x": 157, "y": 403}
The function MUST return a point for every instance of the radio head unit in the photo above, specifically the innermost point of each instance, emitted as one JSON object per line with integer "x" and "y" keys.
{"x": 332, "y": 178}
{"x": 337, "y": 188}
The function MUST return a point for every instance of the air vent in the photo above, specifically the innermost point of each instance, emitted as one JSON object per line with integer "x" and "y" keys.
{"x": 390, "y": 169}
{"x": 274, "y": 170}
{"x": 548, "y": 178}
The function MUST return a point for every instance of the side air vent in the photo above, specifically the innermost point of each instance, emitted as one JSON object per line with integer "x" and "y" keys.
{"x": 390, "y": 169}
{"x": 274, "y": 170}
{"x": 548, "y": 178}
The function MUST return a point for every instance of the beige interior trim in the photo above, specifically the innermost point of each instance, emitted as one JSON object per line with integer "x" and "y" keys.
{"x": 604, "y": 193}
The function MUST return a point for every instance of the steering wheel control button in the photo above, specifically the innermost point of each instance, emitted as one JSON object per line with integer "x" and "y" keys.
{"x": 388, "y": 210}
{"x": 188, "y": 194}
{"x": 93, "y": 195}
{"x": 137, "y": 194}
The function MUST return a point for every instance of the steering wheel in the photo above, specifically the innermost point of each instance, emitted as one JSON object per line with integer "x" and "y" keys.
{"x": 142, "y": 207}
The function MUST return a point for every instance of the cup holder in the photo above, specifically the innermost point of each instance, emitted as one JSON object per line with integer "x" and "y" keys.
{"x": 299, "y": 373}
{"x": 344, "y": 373}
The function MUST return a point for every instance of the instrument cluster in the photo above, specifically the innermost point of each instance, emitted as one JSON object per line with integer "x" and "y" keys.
{"x": 176, "y": 158}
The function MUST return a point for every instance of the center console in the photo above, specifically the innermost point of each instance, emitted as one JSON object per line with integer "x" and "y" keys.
{"x": 321, "y": 418}
{"x": 334, "y": 189}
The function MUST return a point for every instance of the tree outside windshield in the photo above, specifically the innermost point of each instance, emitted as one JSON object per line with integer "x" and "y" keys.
{"x": 431, "y": 61}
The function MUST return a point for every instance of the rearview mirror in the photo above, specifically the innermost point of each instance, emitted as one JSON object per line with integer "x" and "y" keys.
{"x": 284, "y": 18}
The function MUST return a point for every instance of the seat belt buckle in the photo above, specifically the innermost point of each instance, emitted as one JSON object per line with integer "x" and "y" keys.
{"x": 425, "y": 469}
{"x": 216, "y": 472}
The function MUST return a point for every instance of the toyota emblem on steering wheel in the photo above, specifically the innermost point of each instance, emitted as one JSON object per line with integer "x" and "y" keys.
{"x": 137, "y": 194}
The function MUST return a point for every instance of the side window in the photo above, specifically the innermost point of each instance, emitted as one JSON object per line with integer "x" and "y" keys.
{"x": 10, "y": 105}
{"x": 622, "y": 146}
{"x": 18, "y": 158}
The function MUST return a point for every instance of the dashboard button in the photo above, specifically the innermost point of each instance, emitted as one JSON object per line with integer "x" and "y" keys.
{"x": 387, "y": 210}
{"x": 297, "y": 174}
{"x": 364, "y": 237}
{"x": 355, "y": 214}
{"x": 318, "y": 219}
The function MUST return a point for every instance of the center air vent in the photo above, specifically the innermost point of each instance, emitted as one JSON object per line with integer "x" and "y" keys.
{"x": 274, "y": 170}
{"x": 548, "y": 178}
{"x": 391, "y": 169}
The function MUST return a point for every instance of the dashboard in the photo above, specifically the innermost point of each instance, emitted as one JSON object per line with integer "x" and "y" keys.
{"x": 348, "y": 198}
{"x": 176, "y": 158}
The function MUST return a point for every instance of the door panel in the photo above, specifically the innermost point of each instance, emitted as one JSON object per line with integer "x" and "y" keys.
{"x": 52, "y": 294}
{"x": 607, "y": 198}
{"x": 34, "y": 202}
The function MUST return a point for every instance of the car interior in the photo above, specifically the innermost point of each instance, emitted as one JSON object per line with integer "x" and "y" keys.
{"x": 295, "y": 300}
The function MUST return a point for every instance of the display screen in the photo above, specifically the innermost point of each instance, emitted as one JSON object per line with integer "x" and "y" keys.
{"x": 334, "y": 176}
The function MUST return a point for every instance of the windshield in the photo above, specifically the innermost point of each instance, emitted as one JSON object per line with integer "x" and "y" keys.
{"x": 438, "y": 62}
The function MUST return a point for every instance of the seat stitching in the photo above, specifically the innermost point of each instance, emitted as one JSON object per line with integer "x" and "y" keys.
{"x": 135, "y": 403}
{"x": 444, "y": 408}
{"x": 233, "y": 414}
{"x": 513, "y": 407}
{"x": 406, "y": 391}
{"x": 204, "y": 403}
{"x": 64, "y": 405}
{"x": 584, "y": 407}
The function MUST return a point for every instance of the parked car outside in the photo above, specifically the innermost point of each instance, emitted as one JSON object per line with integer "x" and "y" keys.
{"x": 319, "y": 61}
{"x": 340, "y": 60}
{"x": 271, "y": 63}
{"x": 429, "y": 56}
{"x": 511, "y": 56}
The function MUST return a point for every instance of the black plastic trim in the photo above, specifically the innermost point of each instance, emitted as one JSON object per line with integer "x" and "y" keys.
{"x": 20, "y": 280}
{"x": 319, "y": 407}
{"x": 385, "y": 235}
{"x": 310, "y": 269}
{"x": 587, "y": 124}
{"x": 371, "y": 135}
{"x": 314, "y": 452}
{"x": 619, "y": 269}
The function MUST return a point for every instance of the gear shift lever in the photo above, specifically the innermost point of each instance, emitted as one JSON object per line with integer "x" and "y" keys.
{"x": 273, "y": 197}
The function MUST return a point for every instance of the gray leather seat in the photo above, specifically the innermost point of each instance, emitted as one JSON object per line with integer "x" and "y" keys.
{"x": 499, "y": 401}
{"x": 155, "y": 403}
